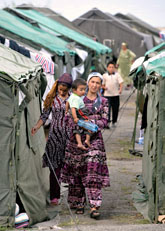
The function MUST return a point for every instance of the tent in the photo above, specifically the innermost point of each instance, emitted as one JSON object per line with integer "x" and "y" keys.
{"x": 21, "y": 169}
{"x": 23, "y": 32}
{"x": 63, "y": 30}
{"x": 149, "y": 77}
{"x": 53, "y": 15}
{"x": 33, "y": 34}
{"x": 138, "y": 24}
{"x": 141, "y": 26}
{"x": 98, "y": 53}
{"x": 110, "y": 30}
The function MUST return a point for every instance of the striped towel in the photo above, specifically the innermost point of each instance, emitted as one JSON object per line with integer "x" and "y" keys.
{"x": 47, "y": 65}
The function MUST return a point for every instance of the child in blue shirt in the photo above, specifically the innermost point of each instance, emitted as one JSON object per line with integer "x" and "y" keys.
{"x": 78, "y": 110}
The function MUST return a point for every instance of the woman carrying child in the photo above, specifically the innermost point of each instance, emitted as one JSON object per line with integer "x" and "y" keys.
{"x": 86, "y": 171}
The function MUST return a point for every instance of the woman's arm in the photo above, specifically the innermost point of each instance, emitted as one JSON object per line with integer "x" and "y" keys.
{"x": 44, "y": 116}
{"x": 36, "y": 127}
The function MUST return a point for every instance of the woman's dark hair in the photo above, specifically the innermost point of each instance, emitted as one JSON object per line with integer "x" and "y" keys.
{"x": 78, "y": 82}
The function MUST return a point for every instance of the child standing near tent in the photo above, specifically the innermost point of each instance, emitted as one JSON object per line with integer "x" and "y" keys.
{"x": 53, "y": 157}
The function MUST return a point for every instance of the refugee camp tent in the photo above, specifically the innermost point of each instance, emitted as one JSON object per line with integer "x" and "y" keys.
{"x": 63, "y": 30}
{"x": 141, "y": 26}
{"x": 109, "y": 29}
{"x": 149, "y": 77}
{"x": 13, "y": 27}
{"x": 21, "y": 171}
{"x": 96, "y": 51}
{"x": 53, "y": 15}
{"x": 36, "y": 35}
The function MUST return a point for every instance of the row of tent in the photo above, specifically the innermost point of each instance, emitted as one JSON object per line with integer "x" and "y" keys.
{"x": 48, "y": 44}
{"x": 112, "y": 30}
{"x": 148, "y": 74}
{"x": 39, "y": 28}
{"x": 35, "y": 31}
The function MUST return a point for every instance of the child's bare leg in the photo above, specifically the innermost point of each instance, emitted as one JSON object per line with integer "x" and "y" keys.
{"x": 87, "y": 140}
{"x": 79, "y": 142}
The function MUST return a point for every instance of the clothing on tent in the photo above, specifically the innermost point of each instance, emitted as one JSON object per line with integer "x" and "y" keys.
{"x": 7, "y": 43}
{"x": 48, "y": 66}
{"x": 2, "y": 39}
{"x": 79, "y": 69}
{"x": 13, "y": 45}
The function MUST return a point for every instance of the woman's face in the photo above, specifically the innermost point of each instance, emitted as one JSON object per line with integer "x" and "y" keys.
{"x": 62, "y": 90}
{"x": 94, "y": 84}
{"x": 124, "y": 47}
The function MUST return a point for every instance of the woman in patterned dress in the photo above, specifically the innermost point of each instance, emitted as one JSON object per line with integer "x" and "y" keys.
{"x": 53, "y": 158}
{"x": 87, "y": 170}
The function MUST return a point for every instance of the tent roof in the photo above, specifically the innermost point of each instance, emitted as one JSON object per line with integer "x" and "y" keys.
{"x": 17, "y": 67}
{"x": 156, "y": 64}
{"x": 109, "y": 18}
{"x": 26, "y": 30}
{"x": 138, "y": 23}
{"x": 65, "y": 31}
{"x": 53, "y": 15}
{"x": 110, "y": 30}
{"x": 144, "y": 24}
{"x": 157, "y": 48}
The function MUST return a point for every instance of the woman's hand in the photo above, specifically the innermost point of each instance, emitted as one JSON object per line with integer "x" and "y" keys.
{"x": 36, "y": 127}
{"x": 34, "y": 130}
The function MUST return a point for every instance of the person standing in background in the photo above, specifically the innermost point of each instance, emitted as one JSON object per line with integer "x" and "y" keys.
{"x": 124, "y": 62}
{"x": 112, "y": 85}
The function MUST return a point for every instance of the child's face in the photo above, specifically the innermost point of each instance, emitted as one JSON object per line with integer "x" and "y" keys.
{"x": 111, "y": 68}
{"x": 80, "y": 91}
{"x": 62, "y": 90}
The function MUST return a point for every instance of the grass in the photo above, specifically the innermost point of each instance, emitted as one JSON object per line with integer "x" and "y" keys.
{"x": 130, "y": 219}
{"x": 121, "y": 151}
{"x": 75, "y": 222}
{"x": 126, "y": 190}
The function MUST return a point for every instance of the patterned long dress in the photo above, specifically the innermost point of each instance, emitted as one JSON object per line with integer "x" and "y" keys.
{"x": 87, "y": 169}
{"x": 55, "y": 146}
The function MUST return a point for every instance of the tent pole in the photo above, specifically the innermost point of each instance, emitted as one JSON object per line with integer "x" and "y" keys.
{"x": 136, "y": 117}
{"x": 158, "y": 160}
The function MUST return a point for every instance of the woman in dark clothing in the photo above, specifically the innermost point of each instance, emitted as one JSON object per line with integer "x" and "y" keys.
{"x": 55, "y": 102}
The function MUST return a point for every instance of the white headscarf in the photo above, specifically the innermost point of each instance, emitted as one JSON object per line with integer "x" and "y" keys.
{"x": 94, "y": 74}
